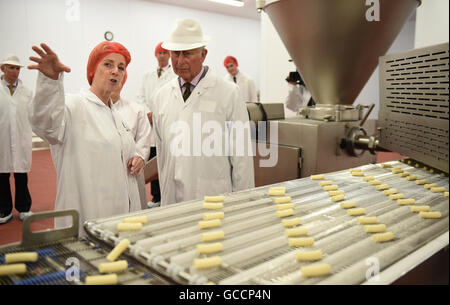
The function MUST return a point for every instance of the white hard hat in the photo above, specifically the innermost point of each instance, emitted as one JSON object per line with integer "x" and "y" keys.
{"x": 11, "y": 59}
{"x": 186, "y": 35}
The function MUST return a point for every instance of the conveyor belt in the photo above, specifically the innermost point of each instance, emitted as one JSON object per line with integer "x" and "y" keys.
{"x": 255, "y": 248}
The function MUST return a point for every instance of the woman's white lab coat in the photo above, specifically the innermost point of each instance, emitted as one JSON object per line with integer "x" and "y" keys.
{"x": 195, "y": 175}
{"x": 15, "y": 129}
{"x": 246, "y": 85}
{"x": 91, "y": 145}
{"x": 150, "y": 84}
{"x": 298, "y": 96}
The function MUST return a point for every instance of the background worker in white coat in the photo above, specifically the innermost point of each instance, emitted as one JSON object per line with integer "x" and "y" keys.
{"x": 153, "y": 80}
{"x": 15, "y": 140}
{"x": 92, "y": 145}
{"x": 298, "y": 94}
{"x": 198, "y": 93}
{"x": 244, "y": 82}
{"x": 137, "y": 120}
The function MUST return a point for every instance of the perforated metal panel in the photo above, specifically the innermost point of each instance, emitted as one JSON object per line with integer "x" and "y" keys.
{"x": 414, "y": 105}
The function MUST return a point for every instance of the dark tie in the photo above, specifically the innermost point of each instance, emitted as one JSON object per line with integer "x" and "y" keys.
{"x": 10, "y": 87}
{"x": 187, "y": 91}
{"x": 159, "y": 72}
{"x": 234, "y": 78}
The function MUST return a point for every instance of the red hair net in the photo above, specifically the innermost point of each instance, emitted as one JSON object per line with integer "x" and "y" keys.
{"x": 230, "y": 59}
{"x": 159, "y": 48}
{"x": 100, "y": 51}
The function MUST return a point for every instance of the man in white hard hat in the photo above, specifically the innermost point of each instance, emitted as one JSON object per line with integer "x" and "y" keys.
{"x": 153, "y": 80}
{"x": 241, "y": 79}
{"x": 194, "y": 118}
{"x": 16, "y": 140}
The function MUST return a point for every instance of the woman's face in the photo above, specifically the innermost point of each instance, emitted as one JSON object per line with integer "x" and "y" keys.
{"x": 110, "y": 72}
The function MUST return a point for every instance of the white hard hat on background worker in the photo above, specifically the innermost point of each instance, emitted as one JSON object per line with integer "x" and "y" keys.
{"x": 197, "y": 92}
{"x": 11, "y": 59}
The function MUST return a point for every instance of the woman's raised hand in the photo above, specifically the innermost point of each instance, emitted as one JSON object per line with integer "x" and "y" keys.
{"x": 48, "y": 62}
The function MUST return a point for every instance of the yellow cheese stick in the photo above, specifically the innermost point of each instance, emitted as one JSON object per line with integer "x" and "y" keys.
{"x": 330, "y": 187}
{"x": 338, "y": 198}
{"x": 396, "y": 196}
{"x": 206, "y": 224}
{"x": 301, "y": 241}
{"x": 282, "y": 199}
{"x": 369, "y": 178}
{"x": 382, "y": 237}
{"x": 129, "y": 226}
{"x": 425, "y": 168}
{"x": 216, "y": 215}
{"x": 285, "y": 206}
{"x": 357, "y": 174}
{"x": 285, "y": 213}
{"x": 317, "y": 177}
{"x": 315, "y": 270}
{"x": 209, "y": 248}
{"x": 291, "y": 222}
{"x": 411, "y": 178}
{"x": 296, "y": 232}
{"x": 367, "y": 220}
{"x": 309, "y": 256}
{"x": 324, "y": 183}
{"x": 406, "y": 201}
{"x": 21, "y": 257}
{"x": 212, "y": 206}
{"x": 209, "y": 262}
{"x": 118, "y": 266}
{"x": 213, "y": 198}
{"x": 438, "y": 189}
{"x": 278, "y": 188}
{"x": 375, "y": 182}
{"x": 409, "y": 162}
{"x": 352, "y": 170}
{"x": 141, "y": 219}
{"x": 335, "y": 193}
{"x": 428, "y": 186}
{"x": 382, "y": 187}
{"x": 390, "y": 192}
{"x": 397, "y": 170}
{"x": 108, "y": 279}
{"x": 13, "y": 269}
{"x": 210, "y": 236}
{"x": 348, "y": 204}
{"x": 122, "y": 246}
{"x": 430, "y": 215}
{"x": 431, "y": 171}
{"x": 421, "y": 181}
{"x": 277, "y": 192}
{"x": 443, "y": 175}
{"x": 446, "y": 194}
{"x": 375, "y": 228}
{"x": 403, "y": 175}
{"x": 356, "y": 212}
{"x": 420, "y": 208}
{"x": 417, "y": 165}
{"x": 386, "y": 165}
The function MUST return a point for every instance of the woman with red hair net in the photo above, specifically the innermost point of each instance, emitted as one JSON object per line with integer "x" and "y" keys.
{"x": 92, "y": 145}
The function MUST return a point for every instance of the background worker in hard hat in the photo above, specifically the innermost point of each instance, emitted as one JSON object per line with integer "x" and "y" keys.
{"x": 15, "y": 138}
{"x": 137, "y": 120}
{"x": 152, "y": 81}
{"x": 186, "y": 173}
{"x": 244, "y": 82}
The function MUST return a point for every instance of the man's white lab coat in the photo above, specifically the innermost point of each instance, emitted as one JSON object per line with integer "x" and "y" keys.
{"x": 15, "y": 129}
{"x": 192, "y": 176}
{"x": 246, "y": 85}
{"x": 150, "y": 84}
{"x": 91, "y": 145}
{"x": 297, "y": 96}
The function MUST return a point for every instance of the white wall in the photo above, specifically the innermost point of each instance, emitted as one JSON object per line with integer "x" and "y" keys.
{"x": 137, "y": 24}
{"x": 275, "y": 66}
{"x": 432, "y": 23}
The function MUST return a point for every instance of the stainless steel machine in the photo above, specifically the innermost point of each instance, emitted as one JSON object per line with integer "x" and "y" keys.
{"x": 255, "y": 236}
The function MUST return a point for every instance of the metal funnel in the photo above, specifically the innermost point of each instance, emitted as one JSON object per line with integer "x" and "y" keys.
{"x": 333, "y": 45}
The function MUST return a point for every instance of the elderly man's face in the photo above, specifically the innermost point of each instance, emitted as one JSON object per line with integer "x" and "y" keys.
{"x": 11, "y": 73}
{"x": 163, "y": 59}
{"x": 232, "y": 69}
{"x": 187, "y": 64}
